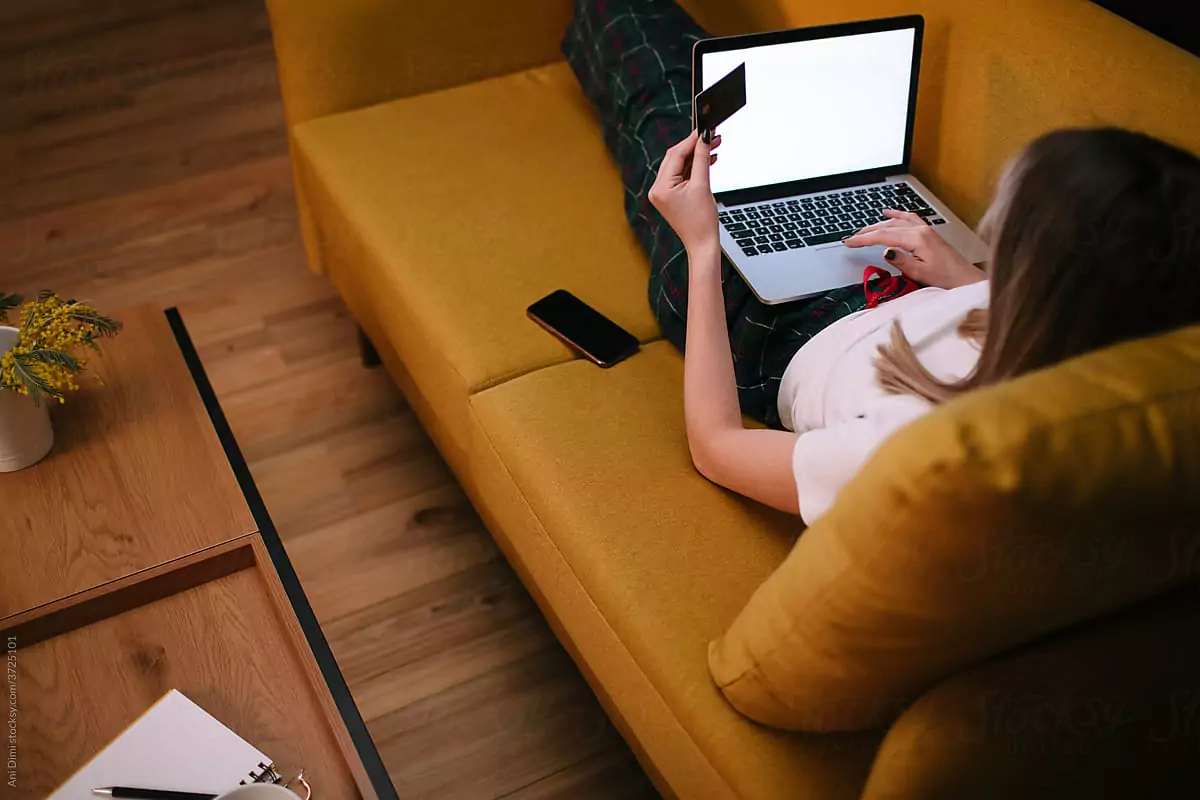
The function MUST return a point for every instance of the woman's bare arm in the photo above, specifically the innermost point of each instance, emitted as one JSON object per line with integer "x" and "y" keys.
{"x": 755, "y": 463}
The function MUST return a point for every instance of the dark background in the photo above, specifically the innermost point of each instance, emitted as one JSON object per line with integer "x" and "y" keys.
{"x": 1165, "y": 18}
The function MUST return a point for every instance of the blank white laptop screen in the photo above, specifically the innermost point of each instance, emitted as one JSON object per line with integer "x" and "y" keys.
{"x": 814, "y": 108}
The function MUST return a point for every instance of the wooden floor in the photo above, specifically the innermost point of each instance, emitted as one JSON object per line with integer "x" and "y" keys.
{"x": 143, "y": 159}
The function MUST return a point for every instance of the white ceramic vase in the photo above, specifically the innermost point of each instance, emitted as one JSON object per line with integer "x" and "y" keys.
{"x": 25, "y": 433}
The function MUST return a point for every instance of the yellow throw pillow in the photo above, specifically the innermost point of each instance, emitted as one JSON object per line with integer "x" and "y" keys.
{"x": 1009, "y": 513}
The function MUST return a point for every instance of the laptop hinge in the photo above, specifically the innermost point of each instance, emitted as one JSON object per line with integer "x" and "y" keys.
{"x": 828, "y": 183}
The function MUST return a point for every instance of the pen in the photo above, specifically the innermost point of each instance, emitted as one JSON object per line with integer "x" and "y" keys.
{"x": 151, "y": 794}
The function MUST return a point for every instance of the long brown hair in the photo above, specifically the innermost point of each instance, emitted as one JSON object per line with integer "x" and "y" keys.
{"x": 1095, "y": 239}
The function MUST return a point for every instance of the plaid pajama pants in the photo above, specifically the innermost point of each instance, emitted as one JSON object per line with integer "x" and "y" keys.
{"x": 633, "y": 60}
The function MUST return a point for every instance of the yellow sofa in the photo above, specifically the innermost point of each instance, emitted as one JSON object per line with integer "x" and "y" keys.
{"x": 449, "y": 172}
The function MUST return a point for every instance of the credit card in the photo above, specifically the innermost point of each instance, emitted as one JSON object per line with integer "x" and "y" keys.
{"x": 720, "y": 101}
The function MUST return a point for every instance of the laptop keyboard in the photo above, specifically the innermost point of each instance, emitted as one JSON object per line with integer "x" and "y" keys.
{"x": 782, "y": 225}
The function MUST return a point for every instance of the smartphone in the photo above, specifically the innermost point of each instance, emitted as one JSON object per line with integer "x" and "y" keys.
{"x": 583, "y": 328}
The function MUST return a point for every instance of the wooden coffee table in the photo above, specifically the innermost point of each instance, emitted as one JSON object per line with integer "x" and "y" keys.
{"x": 138, "y": 557}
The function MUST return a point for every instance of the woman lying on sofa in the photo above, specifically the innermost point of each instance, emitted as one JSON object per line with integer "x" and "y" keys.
{"x": 1095, "y": 239}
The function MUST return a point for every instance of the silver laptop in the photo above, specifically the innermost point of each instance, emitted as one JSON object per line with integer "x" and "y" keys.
{"x": 821, "y": 147}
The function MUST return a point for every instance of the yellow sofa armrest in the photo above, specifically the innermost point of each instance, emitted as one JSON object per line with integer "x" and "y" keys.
{"x": 336, "y": 55}
{"x": 1110, "y": 709}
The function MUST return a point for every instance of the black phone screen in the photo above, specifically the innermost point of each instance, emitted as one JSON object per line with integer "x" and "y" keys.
{"x": 583, "y": 327}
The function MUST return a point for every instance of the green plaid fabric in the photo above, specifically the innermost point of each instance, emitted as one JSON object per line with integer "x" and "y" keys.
{"x": 633, "y": 61}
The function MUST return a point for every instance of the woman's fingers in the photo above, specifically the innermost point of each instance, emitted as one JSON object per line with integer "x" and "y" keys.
{"x": 680, "y": 164}
{"x": 897, "y": 258}
{"x": 700, "y": 163}
{"x": 887, "y": 223}
{"x": 674, "y": 163}
{"x": 895, "y": 219}
{"x": 685, "y": 163}
{"x": 904, "y": 215}
{"x": 904, "y": 237}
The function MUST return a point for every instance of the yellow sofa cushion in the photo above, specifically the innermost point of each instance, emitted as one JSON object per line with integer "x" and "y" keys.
{"x": 338, "y": 56}
{"x": 1012, "y": 512}
{"x": 457, "y": 209}
{"x": 586, "y": 480}
{"x": 1103, "y": 711}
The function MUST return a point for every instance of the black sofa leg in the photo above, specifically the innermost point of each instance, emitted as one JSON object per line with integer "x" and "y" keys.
{"x": 367, "y": 351}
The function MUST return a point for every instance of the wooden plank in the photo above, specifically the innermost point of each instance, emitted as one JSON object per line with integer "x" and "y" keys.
{"x": 494, "y": 734}
{"x": 415, "y": 645}
{"x": 78, "y": 231}
{"x": 368, "y": 558}
{"x": 127, "y": 593}
{"x": 604, "y": 776}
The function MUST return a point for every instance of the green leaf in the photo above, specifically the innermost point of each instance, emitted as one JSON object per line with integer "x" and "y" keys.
{"x": 37, "y": 387}
{"x": 106, "y": 326}
{"x": 57, "y": 357}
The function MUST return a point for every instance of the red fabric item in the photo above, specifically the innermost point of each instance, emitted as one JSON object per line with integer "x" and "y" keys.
{"x": 880, "y": 285}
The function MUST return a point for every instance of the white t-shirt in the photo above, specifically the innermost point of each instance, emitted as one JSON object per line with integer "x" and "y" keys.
{"x": 831, "y": 397}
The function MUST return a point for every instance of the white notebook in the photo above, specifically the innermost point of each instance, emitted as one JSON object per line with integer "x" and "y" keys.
{"x": 174, "y": 745}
